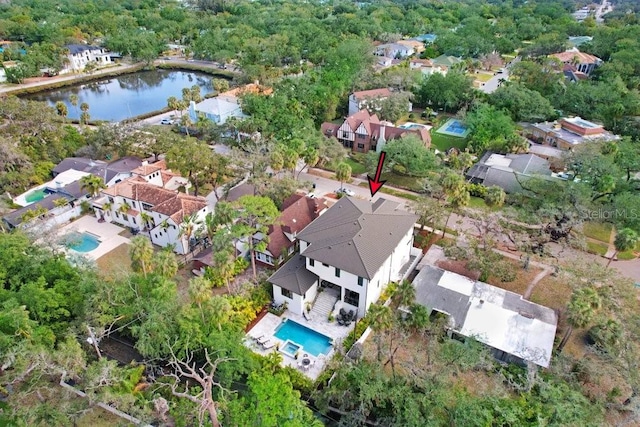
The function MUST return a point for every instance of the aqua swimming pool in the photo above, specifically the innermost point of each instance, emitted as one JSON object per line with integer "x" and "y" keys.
{"x": 454, "y": 127}
{"x": 82, "y": 242}
{"x": 312, "y": 342}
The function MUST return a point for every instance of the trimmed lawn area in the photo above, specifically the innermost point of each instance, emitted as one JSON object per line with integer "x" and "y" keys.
{"x": 482, "y": 77}
{"x": 552, "y": 292}
{"x": 598, "y": 248}
{"x": 598, "y": 231}
{"x": 115, "y": 262}
{"x": 356, "y": 168}
{"x": 393, "y": 192}
{"x": 444, "y": 142}
{"x": 626, "y": 255}
{"x": 403, "y": 181}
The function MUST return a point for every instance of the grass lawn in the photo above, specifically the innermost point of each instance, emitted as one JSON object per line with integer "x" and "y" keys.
{"x": 393, "y": 192}
{"x": 402, "y": 181}
{"x": 552, "y": 292}
{"x": 115, "y": 262}
{"x": 356, "y": 168}
{"x": 477, "y": 202}
{"x": 522, "y": 280}
{"x": 444, "y": 142}
{"x": 598, "y": 248}
{"x": 482, "y": 77}
{"x": 598, "y": 230}
{"x": 626, "y": 255}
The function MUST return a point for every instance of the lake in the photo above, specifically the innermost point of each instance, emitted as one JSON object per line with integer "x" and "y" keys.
{"x": 128, "y": 95}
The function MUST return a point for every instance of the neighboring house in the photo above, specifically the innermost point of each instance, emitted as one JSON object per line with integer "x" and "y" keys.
{"x": 111, "y": 173}
{"x": 568, "y": 132}
{"x": 416, "y": 45}
{"x": 152, "y": 190}
{"x": 383, "y": 62}
{"x": 355, "y": 248}
{"x": 394, "y": 50}
{"x": 216, "y": 109}
{"x": 582, "y": 14}
{"x": 507, "y": 171}
{"x": 583, "y": 62}
{"x": 366, "y": 98}
{"x": 65, "y": 186}
{"x": 445, "y": 61}
{"x": 81, "y": 54}
{"x": 572, "y": 74}
{"x": 516, "y": 330}
{"x": 577, "y": 41}
{"x": 417, "y": 63}
{"x": 297, "y": 212}
{"x": 362, "y": 132}
{"x": 225, "y": 105}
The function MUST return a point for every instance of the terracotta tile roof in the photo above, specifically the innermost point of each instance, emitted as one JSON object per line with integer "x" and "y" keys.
{"x": 426, "y": 62}
{"x": 167, "y": 176}
{"x": 180, "y": 205}
{"x": 133, "y": 212}
{"x": 580, "y": 57}
{"x": 135, "y": 189}
{"x": 373, "y": 93}
{"x": 329, "y": 129}
{"x": 297, "y": 212}
{"x": 145, "y": 170}
{"x": 362, "y": 117}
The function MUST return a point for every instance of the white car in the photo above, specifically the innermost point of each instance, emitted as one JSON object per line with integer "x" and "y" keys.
{"x": 346, "y": 191}
{"x": 166, "y": 122}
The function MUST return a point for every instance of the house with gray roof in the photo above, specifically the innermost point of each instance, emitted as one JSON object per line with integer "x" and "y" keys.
{"x": 111, "y": 173}
{"x": 515, "y": 329}
{"x": 508, "y": 171}
{"x": 353, "y": 250}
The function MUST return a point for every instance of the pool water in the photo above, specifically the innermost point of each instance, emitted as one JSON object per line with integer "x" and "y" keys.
{"x": 82, "y": 242}
{"x": 290, "y": 348}
{"x": 456, "y": 127}
{"x": 35, "y": 195}
{"x": 312, "y": 342}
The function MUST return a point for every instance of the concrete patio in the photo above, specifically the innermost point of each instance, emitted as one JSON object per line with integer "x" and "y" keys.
{"x": 107, "y": 233}
{"x": 267, "y": 326}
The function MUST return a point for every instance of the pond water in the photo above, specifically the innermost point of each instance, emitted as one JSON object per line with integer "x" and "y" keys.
{"x": 129, "y": 95}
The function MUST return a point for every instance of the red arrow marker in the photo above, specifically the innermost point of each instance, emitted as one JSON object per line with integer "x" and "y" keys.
{"x": 374, "y": 183}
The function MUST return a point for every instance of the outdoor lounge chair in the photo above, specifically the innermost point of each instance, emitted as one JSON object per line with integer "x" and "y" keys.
{"x": 262, "y": 340}
{"x": 268, "y": 345}
{"x": 352, "y": 315}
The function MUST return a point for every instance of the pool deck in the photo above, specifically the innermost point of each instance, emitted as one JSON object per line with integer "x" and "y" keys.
{"x": 266, "y": 327}
{"x": 443, "y": 129}
{"x": 106, "y": 232}
{"x": 22, "y": 198}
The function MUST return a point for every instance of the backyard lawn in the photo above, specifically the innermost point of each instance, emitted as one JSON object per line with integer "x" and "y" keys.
{"x": 598, "y": 230}
{"x": 116, "y": 262}
{"x": 444, "y": 142}
{"x": 598, "y": 248}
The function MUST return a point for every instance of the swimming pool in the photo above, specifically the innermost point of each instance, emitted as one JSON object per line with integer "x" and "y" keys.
{"x": 35, "y": 195}
{"x": 454, "y": 127}
{"x": 82, "y": 242}
{"x": 312, "y": 342}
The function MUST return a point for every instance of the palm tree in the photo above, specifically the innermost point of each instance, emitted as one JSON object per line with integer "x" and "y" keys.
{"x": 626, "y": 239}
{"x": 73, "y": 99}
{"x": 61, "y": 109}
{"x": 93, "y": 184}
{"x": 582, "y": 308}
{"x": 405, "y": 294}
{"x": 343, "y": 173}
{"x": 84, "y": 117}
{"x": 174, "y": 104}
{"x": 146, "y": 219}
{"x": 224, "y": 265}
{"x": 457, "y": 193}
{"x": 124, "y": 208}
{"x": 380, "y": 319}
{"x": 276, "y": 161}
{"x": 141, "y": 252}
{"x": 188, "y": 227}
{"x": 165, "y": 263}
{"x": 200, "y": 293}
{"x": 607, "y": 335}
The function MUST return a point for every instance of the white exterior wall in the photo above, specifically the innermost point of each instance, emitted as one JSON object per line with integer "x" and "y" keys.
{"x": 78, "y": 61}
{"x": 297, "y": 303}
{"x": 353, "y": 105}
{"x": 370, "y": 291}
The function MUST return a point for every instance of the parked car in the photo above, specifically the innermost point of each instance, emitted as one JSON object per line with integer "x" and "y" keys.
{"x": 346, "y": 191}
{"x": 166, "y": 122}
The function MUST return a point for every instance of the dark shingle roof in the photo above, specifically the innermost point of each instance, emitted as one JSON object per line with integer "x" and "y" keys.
{"x": 294, "y": 276}
{"x": 15, "y": 218}
{"x": 357, "y": 236}
{"x": 529, "y": 164}
{"x": 79, "y": 48}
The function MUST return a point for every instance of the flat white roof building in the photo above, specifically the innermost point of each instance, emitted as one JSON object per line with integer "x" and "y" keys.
{"x": 515, "y": 328}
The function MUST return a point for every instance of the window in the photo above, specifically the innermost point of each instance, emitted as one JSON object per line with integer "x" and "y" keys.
{"x": 125, "y": 217}
{"x": 134, "y": 204}
{"x": 117, "y": 215}
{"x": 286, "y": 293}
{"x": 360, "y": 281}
{"x": 146, "y": 206}
{"x": 326, "y": 265}
{"x": 351, "y": 298}
{"x": 111, "y": 200}
{"x": 361, "y": 146}
{"x": 311, "y": 262}
{"x": 337, "y": 272}
{"x": 134, "y": 220}
{"x": 361, "y": 136}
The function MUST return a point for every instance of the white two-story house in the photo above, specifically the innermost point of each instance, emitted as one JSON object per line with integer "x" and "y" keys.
{"x": 81, "y": 54}
{"x": 355, "y": 249}
{"x": 149, "y": 202}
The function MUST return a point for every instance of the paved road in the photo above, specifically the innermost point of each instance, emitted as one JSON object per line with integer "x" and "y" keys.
{"x": 495, "y": 82}
{"x": 462, "y": 224}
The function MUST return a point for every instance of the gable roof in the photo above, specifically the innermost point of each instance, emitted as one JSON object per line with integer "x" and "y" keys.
{"x": 179, "y": 206}
{"x": 217, "y": 106}
{"x": 15, "y": 218}
{"x": 297, "y": 212}
{"x": 446, "y": 60}
{"x": 356, "y": 235}
{"x": 508, "y": 171}
{"x": 574, "y": 54}
{"x": 101, "y": 169}
{"x": 372, "y": 93}
{"x": 294, "y": 276}
{"x": 75, "y": 49}
{"x": 494, "y": 316}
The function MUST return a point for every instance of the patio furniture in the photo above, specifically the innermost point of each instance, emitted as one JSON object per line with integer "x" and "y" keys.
{"x": 352, "y": 315}
{"x": 268, "y": 345}
{"x": 262, "y": 340}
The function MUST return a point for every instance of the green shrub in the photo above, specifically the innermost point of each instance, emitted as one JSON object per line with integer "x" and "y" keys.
{"x": 477, "y": 190}
{"x": 357, "y": 332}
